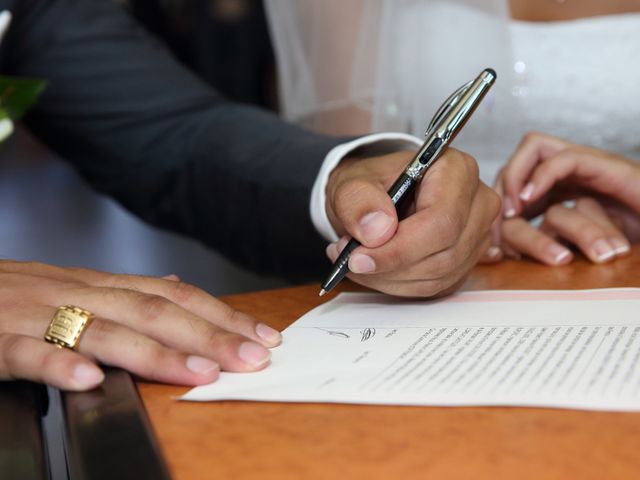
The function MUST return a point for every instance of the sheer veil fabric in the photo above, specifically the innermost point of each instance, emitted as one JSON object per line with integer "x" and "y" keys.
{"x": 360, "y": 66}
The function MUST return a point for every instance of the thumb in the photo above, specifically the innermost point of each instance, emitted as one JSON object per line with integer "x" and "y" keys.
{"x": 364, "y": 210}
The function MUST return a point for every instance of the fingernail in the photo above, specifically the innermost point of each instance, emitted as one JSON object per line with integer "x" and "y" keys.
{"x": 509, "y": 211}
{"x": 87, "y": 375}
{"x": 494, "y": 252}
{"x": 254, "y": 354}
{"x": 341, "y": 244}
{"x": 201, "y": 365}
{"x": 173, "y": 277}
{"x": 602, "y": 250}
{"x": 332, "y": 251}
{"x": 360, "y": 263}
{"x": 374, "y": 225}
{"x": 620, "y": 246}
{"x": 559, "y": 254}
{"x": 527, "y": 192}
{"x": 268, "y": 334}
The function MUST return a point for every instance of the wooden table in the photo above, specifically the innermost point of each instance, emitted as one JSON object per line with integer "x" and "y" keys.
{"x": 230, "y": 440}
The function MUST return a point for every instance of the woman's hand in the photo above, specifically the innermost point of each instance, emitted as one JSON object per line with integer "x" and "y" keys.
{"x": 433, "y": 247}
{"x": 545, "y": 172}
{"x": 160, "y": 329}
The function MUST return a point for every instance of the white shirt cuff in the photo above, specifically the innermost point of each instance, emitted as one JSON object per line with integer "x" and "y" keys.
{"x": 376, "y": 144}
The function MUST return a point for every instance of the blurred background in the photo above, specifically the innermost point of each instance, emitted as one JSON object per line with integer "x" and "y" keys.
{"x": 48, "y": 212}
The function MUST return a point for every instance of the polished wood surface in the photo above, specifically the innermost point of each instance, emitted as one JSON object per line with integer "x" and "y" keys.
{"x": 242, "y": 440}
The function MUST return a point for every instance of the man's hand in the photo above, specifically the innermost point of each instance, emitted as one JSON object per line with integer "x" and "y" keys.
{"x": 159, "y": 329}
{"x": 430, "y": 250}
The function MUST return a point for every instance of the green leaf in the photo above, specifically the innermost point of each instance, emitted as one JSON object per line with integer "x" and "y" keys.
{"x": 17, "y": 94}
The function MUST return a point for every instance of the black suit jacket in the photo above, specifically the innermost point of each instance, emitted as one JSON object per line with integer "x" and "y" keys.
{"x": 143, "y": 130}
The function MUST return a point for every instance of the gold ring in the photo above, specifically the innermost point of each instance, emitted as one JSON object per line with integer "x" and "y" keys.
{"x": 67, "y": 326}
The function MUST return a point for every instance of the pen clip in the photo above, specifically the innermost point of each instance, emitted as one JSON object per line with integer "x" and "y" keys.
{"x": 448, "y": 104}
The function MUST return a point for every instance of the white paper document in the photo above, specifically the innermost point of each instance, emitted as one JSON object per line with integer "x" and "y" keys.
{"x": 571, "y": 349}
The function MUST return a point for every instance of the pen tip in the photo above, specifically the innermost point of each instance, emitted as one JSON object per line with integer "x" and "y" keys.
{"x": 322, "y": 292}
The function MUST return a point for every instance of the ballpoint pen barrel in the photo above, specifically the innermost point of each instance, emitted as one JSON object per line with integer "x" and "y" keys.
{"x": 340, "y": 267}
{"x": 401, "y": 189}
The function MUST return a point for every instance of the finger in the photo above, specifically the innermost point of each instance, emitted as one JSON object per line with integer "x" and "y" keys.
{"x": 495, "y": 253}
{"x": 196, "y": 301}
{"x": 164, "y": 321}
{"x": 365, "y": 210}
{"x": 587, "y": 228}
{"x": 23, "y": 357}
{"x": 492, "y": 255}
{"x": 334, "y": 249}
{"x": 187, "y": 296}
{"x": 615, "y": 235}
{"x": 440, "y": 216}
{"x": 522, "y": 237}
{"x": 437, "y": 227}
{"x": 590, "y": 169}
{"x": 439, "y": 271}
{"x": 119, "y": 346}
{"x": 116, "y": 345}
{"x": 433, "y": 277}
{"x": 37, "y": 269}
{"x": 534, "y": 148}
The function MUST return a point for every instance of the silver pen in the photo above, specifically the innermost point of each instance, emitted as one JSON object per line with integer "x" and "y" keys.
{"x": 444, "y": 126}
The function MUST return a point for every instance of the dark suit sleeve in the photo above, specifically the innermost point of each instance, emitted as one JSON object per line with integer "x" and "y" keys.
{"x": 143, "y": 130}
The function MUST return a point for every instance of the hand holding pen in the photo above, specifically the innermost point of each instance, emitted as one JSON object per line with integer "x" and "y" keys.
{"x": 447, "y": 230}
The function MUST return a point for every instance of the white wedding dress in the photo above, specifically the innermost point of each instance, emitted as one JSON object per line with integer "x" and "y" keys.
{"x": 395, "y": 60}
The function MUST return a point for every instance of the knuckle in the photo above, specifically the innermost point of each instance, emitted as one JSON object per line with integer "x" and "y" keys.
{"x": 155, "y": 355}
{"x": 471, "y": 165}
{"x": 430, "y": 288}
{"x": 555, "y": 212}
{"x": 569, "y": 154}
{"x": 114, "y": 280}
{"x": 238, "y": 318}
{"x": 587, "y": 204}
{"x": 6, "y": 264}
{"x": 157, "y": 362}
{"x": 182, "y": 292}
{"x": 33, "y": 264}
{"x": 531, "y": 136}
{"x": 443, "y": 264}
{"x": 102, "y": 329}
{"x": 449, "y": 229}
{"x": 217, "y": 339}
{"x": 509, "y": 226}
{"x": 212, "y": 339}
{"x": 11, "y": 348}
{"x": 85, "y": 272}
{"x": 394, "y": 257}
{"x": 494, "y": 203}
{"x": 153, "y": 307}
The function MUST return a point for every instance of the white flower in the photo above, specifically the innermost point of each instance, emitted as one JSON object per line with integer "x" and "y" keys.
{"x": 6, "y": 128}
